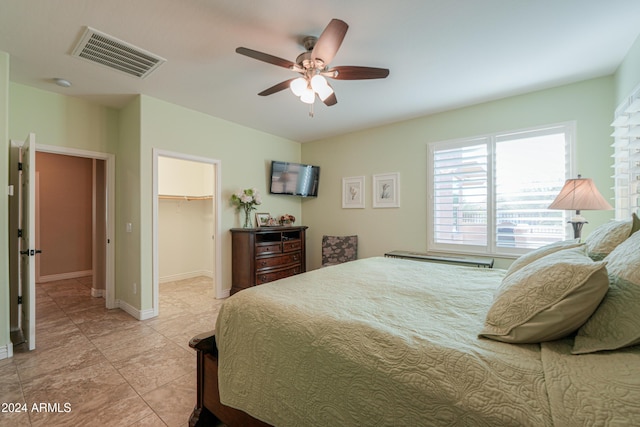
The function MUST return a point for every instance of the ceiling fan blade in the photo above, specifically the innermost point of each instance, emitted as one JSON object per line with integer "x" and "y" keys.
{"x": 329, "y": 41}
{"x": 265, "y": 57}
{"x": 350, "y": 72}
{"x": 276, "y": 88}
{"x": 331, "y": 100}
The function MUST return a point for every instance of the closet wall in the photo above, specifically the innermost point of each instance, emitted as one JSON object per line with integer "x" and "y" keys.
{"x": 185, "y": 219}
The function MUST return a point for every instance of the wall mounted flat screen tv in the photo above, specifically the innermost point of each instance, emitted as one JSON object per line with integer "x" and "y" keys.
{"x": 294, "y": 179}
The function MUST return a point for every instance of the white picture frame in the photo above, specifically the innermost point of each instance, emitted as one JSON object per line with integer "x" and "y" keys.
{"x": 386, "y": 190}
{"x": 353, "y": 192}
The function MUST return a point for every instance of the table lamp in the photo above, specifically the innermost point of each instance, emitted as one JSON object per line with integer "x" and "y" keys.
{"x": 579, "y": 194}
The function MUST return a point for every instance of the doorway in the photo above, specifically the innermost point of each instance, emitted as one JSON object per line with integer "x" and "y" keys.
{"x": 103, "y": 182}
{"x": 186, "y": 220}
{"x": 101, "y": 209}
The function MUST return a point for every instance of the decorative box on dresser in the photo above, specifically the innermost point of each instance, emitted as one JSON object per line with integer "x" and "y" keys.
{"x": 262, "y": 255}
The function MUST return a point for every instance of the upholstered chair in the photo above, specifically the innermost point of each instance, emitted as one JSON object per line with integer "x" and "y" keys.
{"x": 339, "y": 249}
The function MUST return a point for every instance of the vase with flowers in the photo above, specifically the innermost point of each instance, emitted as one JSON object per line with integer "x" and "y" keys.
{"x": 246, "y": 200}
{"x": 287, "y": 219}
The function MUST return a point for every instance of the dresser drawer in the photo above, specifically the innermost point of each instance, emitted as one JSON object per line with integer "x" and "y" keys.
{"x": 268, "y": 248}
{"x": 276, "y": 261}
{"x": 279, "y": 274}
{"x": 291, "y": 245}
{"x": 262, "y": 255}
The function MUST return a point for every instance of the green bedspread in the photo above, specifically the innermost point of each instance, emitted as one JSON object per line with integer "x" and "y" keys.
{"x": 378, "y": 342}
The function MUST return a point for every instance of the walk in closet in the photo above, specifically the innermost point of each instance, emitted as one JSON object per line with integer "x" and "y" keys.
{"x": 185, "y": 219}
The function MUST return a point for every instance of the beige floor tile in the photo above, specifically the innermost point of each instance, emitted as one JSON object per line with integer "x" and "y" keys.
{"x": 96, "y": 313}
{"x": 56, "y": 333}
{"x": 15, "y": 419}
{"x": 10, "y": 387}
{"x": 113, "y": 320}
{"x": 125, "y": 345}
{"x": 109, "y": 368}
{"x": 174, "y": 401}
{"x": 104, "y": 411}
{"x": 76, "y": 303}
{"x": 148, "y": 371}
{"x": 152, "y": 420}
{"x": 73, "y": 354}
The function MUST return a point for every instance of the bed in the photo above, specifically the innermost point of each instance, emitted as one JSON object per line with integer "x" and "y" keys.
{"x": 383, "y": 341}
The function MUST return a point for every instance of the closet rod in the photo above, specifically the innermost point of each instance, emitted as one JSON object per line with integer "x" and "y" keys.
{"x": 187, "y": 198}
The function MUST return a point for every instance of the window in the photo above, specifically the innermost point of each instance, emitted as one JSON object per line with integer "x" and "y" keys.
{"x": 627, "y": 156}
{"x": 490, "y": 194}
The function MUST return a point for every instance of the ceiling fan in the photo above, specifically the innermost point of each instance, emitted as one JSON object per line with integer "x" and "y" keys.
{"x": 313, "y": 65}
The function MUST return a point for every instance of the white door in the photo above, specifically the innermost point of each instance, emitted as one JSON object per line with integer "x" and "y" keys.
{"x": 27, "y": 223}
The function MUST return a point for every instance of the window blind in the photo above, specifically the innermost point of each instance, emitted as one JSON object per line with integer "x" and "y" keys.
{"x": 626, "y": 157}
{"x": 491, "y": 193}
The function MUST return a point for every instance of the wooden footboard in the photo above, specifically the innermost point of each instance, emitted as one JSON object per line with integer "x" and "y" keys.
{"x": 208, "y": 410}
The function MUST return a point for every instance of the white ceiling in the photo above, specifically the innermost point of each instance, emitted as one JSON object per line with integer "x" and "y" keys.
{"x": 442, "y": 54}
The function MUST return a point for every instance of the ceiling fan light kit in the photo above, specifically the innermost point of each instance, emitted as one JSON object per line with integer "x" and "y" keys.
{"x": 313, "y": 67}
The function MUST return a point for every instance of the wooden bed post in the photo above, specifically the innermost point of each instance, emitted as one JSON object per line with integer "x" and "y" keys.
{"x": 202, "y": 344}
{"x": 209, "y": 411}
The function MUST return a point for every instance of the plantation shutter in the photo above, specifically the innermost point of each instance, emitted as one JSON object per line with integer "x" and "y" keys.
{"x": 460, "y": 194}
{"x": 626, "y": 157}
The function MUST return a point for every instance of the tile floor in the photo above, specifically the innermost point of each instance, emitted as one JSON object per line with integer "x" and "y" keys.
{"x": 95, "y": 366}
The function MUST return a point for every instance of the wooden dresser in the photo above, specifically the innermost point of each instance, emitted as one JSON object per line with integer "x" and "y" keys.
{"x": 261, "y": 255}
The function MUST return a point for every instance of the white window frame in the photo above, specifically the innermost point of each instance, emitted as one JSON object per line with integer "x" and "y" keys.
{"x": 626, "y": 159}
{"x": 569, "y": 128}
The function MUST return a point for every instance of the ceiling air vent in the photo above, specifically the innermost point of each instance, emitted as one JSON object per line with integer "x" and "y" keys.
{"x": 108, "y": 51}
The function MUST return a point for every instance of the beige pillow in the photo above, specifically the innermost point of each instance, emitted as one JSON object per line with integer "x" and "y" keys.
{"x": 528, "y": 258}
{"x": 606, "y": 237}
{"x": 547, "y": 299}
{"x": 616, "y": 322}
{"x": 636, "y": 223}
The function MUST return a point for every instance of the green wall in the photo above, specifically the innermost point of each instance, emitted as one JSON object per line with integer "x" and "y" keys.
{"x": 627, "y": 76}
{"x": 128, "y": 197}
{"x": 132, "y": 132}
{"x": 245, "y": 159}
{"x": 402, "y": 147}
{"x": 61, "y": 121}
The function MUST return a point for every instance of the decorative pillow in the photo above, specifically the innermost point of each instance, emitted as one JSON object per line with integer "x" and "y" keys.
{"x": 606, "y": 237}
{"x": 547, "y": 299}
{"x": 616, "y": 322}
{"x": 636, "y": 223}
{"x": 528, "y": 258}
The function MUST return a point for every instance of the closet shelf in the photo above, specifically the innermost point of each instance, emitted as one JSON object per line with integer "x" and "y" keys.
{"x": 187, "y": 198}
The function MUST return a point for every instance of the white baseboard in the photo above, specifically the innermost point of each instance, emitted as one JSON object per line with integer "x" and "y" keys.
{"x": 137, "y": 314}
{"x": 184, "y": 276}
{"x": 64, "y": 276}
{"x": 97, "y": 293}
{"x": 6, "y": 351}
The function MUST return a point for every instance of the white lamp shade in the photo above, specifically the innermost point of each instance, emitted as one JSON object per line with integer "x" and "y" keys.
{"x": 308, "y": 96}
{"x": 318, "y": 82}
{"x": 580, "y": 194}
{"x": 321, "y": 87}
{"x": 298, "y": 86}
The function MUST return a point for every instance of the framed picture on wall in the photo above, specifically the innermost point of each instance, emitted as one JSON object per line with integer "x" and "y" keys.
{"x": 353, "y": 192}
{"x": 386, "y": 190}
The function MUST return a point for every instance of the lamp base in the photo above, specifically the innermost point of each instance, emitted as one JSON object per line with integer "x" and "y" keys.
{"x": 577, "y": 228}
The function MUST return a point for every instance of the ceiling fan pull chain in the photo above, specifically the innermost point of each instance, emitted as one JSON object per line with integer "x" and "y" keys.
{"x": 311, "y": 110}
